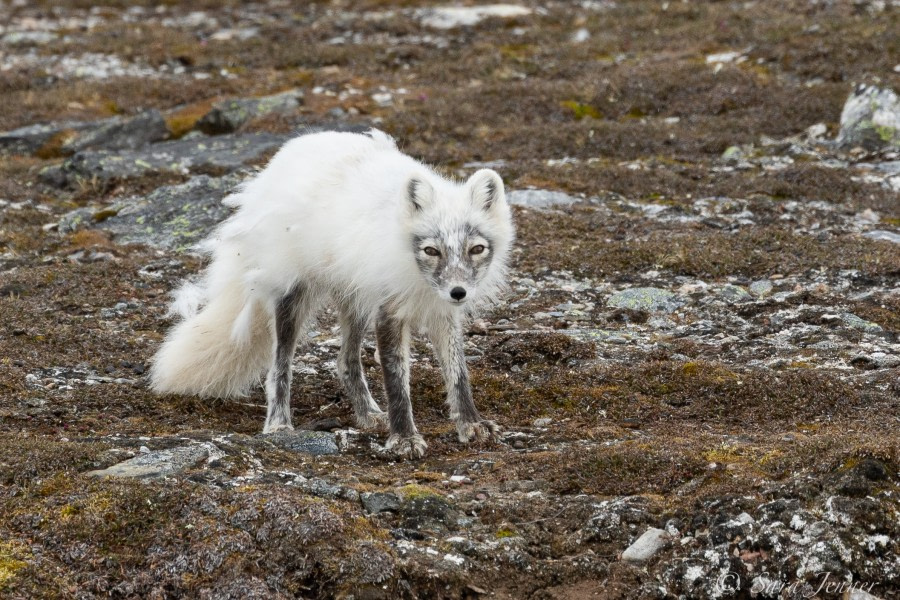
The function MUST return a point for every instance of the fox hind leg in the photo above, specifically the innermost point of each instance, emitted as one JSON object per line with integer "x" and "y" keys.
{"x": 291, "y": 313}
{"x": 367, "y": 413}
{"x": 392, "y": 336}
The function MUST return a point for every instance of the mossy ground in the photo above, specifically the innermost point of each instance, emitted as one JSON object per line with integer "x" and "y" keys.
{"x": 656, "y": 425}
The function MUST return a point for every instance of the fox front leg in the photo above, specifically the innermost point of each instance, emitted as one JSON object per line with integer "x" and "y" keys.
{"x": 392, "y": 338}
{"x": 447, "y": 339}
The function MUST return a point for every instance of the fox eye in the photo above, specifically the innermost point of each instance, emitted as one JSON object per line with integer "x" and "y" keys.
{"x": 430, "y": 251}
{"x": 476, "y": 249}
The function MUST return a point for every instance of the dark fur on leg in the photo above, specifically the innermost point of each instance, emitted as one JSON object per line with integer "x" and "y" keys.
{"x": 350, "y": 371}
{"x": 392, "y": 336}
{"x": 290, "y": 313}
{"x": 446, "y": 337}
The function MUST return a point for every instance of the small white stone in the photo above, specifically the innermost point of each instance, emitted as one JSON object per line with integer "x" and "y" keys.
{"x": 651, "y": 542}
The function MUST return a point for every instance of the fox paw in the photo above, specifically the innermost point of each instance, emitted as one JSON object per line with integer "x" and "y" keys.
{"x": 412, "y": 446}
{"x": 372, "y": 420}
{"x": 477, "y": 430}
{"x": 275, "y": 427}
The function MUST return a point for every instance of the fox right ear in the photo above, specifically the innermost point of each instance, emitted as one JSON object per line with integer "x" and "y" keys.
{"x": 419, "y": 193}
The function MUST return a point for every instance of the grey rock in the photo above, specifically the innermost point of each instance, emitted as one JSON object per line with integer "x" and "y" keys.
{"x": 875, "y": 360}
{"x": 540, "y": 198}
{"x": 317, "y": 443}
{"x": 229, "y": 115}
{"x": 449, "y": 17}
{"x": 377, "y": 502}
{"x": 885, "y": 236}
{"x": 733, "y": 294}
{"x": 321, "y": 488}
{"x": 178, "y": 156}
{"x": 860, "y": 324}
{"x": 28, "y": 38}
{"x": 119, "y": 133}
{"x": 646, "y": 298}
{"x": 652, "y": 541}
{"x": 158, "y": 464}
{"x": 761, "y": 288}
{"x": 30, "y": 139}
{"x": 171, "y": 217}
{"x": 870, "y": 119}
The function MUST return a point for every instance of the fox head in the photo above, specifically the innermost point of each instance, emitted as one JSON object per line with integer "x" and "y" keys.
{"x": 460, "y": 235}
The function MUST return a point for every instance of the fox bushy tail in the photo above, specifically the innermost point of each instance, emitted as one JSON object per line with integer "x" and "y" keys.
{"x": 219, "y": 351}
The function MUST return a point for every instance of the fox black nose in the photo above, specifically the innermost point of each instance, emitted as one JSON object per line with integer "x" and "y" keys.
{"x": 458, "y": 293}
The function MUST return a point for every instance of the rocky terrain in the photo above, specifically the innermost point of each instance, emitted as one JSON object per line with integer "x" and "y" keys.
{"x": 696, "y": 366}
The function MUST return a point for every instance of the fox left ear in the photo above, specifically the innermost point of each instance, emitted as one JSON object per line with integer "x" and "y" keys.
{"x": 419, "y": 193}
{"x": 487, "y": 189}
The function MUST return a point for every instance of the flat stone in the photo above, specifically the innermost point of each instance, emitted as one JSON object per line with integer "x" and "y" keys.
{"x": 643, "y": 548}
{"x": 450, "y": 17}
{"x": 30, "y": 139}
{"x": 540, "y": 198}
{"x": 761, "y": 288}
{"x": 68, "y": 137}
{"x": 178, "y": 156}
{"x": 227, "y": 116}
{"x": 119, "y": 133}
{"x": 156, "y": 465}
{"x": 883, "y": 236}
{"x": 646, "y": 298}
{"x": 733, "y": 294}
{"x": 171, "y": 217}
{"x": 317, "y": 443}
{"x": 870, "y": 119}
{"x": 860, "y": 324}
{"x": 377, "y": 502}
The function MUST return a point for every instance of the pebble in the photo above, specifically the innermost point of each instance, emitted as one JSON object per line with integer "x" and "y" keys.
{"x": 645, "y": 547}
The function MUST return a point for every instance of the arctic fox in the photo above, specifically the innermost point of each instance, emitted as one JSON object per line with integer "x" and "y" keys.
{"x": 344, "y": 217}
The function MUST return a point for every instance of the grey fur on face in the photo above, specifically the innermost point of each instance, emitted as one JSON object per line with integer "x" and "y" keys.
{"x": 460, "y": 259}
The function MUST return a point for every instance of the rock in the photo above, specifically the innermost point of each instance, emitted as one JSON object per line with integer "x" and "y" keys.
{"x": 646, "y": 298}
{"x": 155, "y": 465}
{"x": 30, "y": 139}
{"x": 119, "y": 133}
{"x": 540, "y": 198}
{"x": 68, "y": 137}
{"x": 449, "y": 17}
{"x": 178, "y": 156}
{"x": 28, "y": 38}
{"x": 761, "y": 288}
{"x": 317, "y": 443}
{"x": 227, "y": 116}
{"x": 651, "y": 542}
{"x": 171, "y": 217}
{"x": 870, "y": 119}
{"x": 733, "y": 294}
{"x": 543, "y": 422}
{"x": 377, "y": 502}
{"x": 884, "y": 236}
{"x": 875, "y": 360}
{"x": 855, "y": 322}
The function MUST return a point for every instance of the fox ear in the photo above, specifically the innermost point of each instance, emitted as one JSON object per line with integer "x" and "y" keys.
{"x": 487, "y": 189}
{"x": 419, "y": 193}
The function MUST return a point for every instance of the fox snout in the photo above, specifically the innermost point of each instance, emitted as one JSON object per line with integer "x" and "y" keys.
{"x": 458, "y": 293}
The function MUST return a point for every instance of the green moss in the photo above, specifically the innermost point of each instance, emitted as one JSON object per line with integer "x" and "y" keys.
{"x": 505, "y": 533}
{"x": 415, "y": 491}
{"x": 13, "y": 556}
{"x": 581, "y": 110}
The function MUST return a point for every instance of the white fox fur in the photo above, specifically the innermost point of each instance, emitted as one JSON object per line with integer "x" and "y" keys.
{"x": 337, "y": 212}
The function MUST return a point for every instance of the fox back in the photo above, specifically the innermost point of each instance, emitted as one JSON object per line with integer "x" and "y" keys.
{"x": 353, "y": 219}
